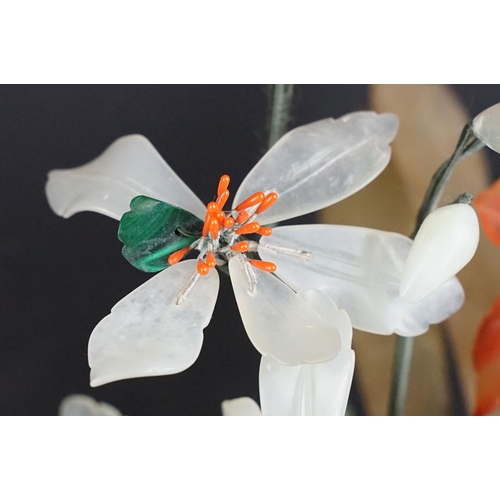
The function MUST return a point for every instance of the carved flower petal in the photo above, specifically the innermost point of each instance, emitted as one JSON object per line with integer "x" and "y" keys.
{"x": 486, "y": 127}
{"x": 147, "y": 333}
{"x": 445, "y": 243}
{"x": 316, "y": 165}
{"x": 131, "y": 166}
{"x": 240, "y": 407}
{"x": 360, "y": 270}
{"x": 280, "y": 323}
{"x": 488, "y": 388}
{"x": 320, "y": 389}
{"x": 80, "y": 405}
{"x": 487, "y": 342}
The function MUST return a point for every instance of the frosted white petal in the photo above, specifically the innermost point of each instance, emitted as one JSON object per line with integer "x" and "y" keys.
{"x": 319, "y": 164}
{"x": 278, "y": 322}
{"x": 320, "y": 389}
{"x": 240, "y": 407}
{"x": 147, "y": 334}
{"x": 444, "y": 244}
{"x": 360, "y": 269}
{"x": 486, "y": 127}
{"x": 80, "y": 405}
{"x": 129, "y": 167}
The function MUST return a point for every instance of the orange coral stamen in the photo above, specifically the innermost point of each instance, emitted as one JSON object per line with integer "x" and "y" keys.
{"x": 243, "y": 216}
{"x": 221, "y": 216}
{"x": 251, "y": 201}
{"x": 228, "y": 222}
{"x": 213, "y": 207}
{"x": 223, "y": 184}
{"x": 268, "y": 267}
{"x": 214, "y": 227}
{"x": 206, "y": 224}
{"x": 210, "y": 259}
{"x": 253, "y": 227}
{"x": 177, "y": 256}
{"x": 202, "y": 268}
{"x": 269, "y": 200}
{"x": 265, "y": 231}
{"x": 222, "y": 198}
{"x": 242, "y": 246}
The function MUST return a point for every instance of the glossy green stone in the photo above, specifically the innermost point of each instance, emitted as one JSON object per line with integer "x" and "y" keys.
{"x": 153, "y": 230}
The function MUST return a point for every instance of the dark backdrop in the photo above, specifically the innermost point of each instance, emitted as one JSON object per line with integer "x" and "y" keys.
{"x": 59, "y": 278}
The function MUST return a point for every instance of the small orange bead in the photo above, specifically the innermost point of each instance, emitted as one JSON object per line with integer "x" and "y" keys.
{"x": 214, "y": 227}
{"x": 210, "y": 259}
{"x": 253, "y": 227}
{"x": 221, "y": 216}
{"x": 202, "y": 268}
{"x": 242, "y": 217}
{"x": 206, "y": 224}
{"x": 213, "y": 207}
{"x": 269, "y": 267}
{"x": 242, "y": 246}
{"x": 222, "y": 198}
{"x": 251, "y": 201}
{"x": 228, "y": 222}
{"x": 177, "y": 256}
{"x": 265, "y": 231}
{"x": 223, "y": 184}
{"x": 269, "y": 200}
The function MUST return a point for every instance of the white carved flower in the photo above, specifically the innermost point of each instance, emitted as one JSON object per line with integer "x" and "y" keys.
{"x": 157, "y": 329}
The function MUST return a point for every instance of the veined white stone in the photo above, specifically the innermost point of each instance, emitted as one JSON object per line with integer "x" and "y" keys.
{"x": 147, "y": 333}
{"x": 486, "y": 127}
{"x": 444, "y": 244}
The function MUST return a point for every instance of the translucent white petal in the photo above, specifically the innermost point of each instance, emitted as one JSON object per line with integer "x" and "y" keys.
{"x": 319, "y": 164}
{"x": 80, "y": 405}
{"x": 147, "y": 333}
{"x": 486, "y": 127}
{"x": 129, "y": 167}
{"x": 320, "y": 389}
{"x": 240, "y": 407}
{"x": 444, "y": 244}
{"x": 360, "y": 269}
{"x": 279, "y": 323}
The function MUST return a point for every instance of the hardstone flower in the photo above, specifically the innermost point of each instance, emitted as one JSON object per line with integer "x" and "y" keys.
{"x": 81, "y": 405}
{"x": 157, "y": 329}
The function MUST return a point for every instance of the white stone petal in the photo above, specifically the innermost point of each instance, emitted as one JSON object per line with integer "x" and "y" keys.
{"x": 320, "y": 389}
{"x": 240, "y": 407}
{"x": 280, "y": 323}
{"x": 80, "y": 405}
{"x": 319, "y": 164}
{"x": 360, "y": 269}
{"x": 486, "y": 127}
{"x": 444, "y": 244}
{"x": 129, "y": 167}
{"x": 147, "y": 333}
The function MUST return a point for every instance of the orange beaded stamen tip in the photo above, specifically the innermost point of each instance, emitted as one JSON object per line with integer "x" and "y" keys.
{"x": 214, "y": 227}
{"x": 255, "y": 199}
{"x": 210, "y": 259}
{"x": 222, "y": 198}
{"x": 265, "y": 231}
{"x": 223, "y": 184}
{"x": 269, "y": 200}
{"x": 243, "y": 216}
{"x": 213, "y": 207}
{"x": 228, "y": 222}
{"x": 252, "y": 227}
{"x": 221, "y": 217}
{"x": 202, "y": 268}
{"x": 177, "y": 256}
{"x": 242, "y": 246}
{"x": 206, "y": 224}
{"x": 269, "y": 267}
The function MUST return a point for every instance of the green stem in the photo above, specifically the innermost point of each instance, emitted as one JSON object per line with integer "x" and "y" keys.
{"x": 280, "y": 112}
{"x": 404, "y": 345}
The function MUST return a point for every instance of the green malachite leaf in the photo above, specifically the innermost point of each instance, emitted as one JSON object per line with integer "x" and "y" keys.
{"x": 153, "y": 230}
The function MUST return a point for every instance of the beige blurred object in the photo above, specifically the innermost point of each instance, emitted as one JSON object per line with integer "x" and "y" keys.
{"x": 432, "y": 118}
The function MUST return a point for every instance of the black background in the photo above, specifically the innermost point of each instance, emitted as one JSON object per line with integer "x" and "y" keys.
{"x": 59, "y": 278}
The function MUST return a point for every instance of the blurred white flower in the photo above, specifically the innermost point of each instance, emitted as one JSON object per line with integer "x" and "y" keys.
{"x": 486, "y": 127}
{"x": 80, "y": 405}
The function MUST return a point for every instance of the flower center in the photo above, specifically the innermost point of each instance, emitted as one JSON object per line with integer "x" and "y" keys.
{"x": 223, "y": 231}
